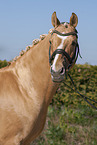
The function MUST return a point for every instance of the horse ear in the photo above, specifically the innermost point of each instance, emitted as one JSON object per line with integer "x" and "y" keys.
{"x": 73, "y": 20}
{"x": 55, "y": 21}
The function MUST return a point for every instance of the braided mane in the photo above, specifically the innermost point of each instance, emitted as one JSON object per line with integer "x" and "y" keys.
{"x": 34, "y": 42}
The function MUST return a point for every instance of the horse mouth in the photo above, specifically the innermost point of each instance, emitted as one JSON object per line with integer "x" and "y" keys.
{"x": 58, "y": 76}
{"x": 57, "y": 79}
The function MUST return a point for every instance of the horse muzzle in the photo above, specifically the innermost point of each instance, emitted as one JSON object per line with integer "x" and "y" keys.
{"x": 58, "y": 76}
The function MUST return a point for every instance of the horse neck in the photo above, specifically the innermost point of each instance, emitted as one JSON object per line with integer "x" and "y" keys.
{"x": 33, "y": 70}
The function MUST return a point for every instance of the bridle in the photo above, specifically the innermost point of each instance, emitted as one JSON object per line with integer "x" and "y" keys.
{"x": 62, "y": 51}
{"x": 71, "y": 61}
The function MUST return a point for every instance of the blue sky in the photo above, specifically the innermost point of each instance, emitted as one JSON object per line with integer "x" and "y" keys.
{"x": 21, "y": 21}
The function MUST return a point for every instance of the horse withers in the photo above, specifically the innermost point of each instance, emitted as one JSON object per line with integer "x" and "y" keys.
{"x": 28, "y": 84}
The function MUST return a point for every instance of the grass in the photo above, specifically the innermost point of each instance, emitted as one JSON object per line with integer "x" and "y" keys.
{"x": 70, "y": 120}
{"x": 69, "y": 126}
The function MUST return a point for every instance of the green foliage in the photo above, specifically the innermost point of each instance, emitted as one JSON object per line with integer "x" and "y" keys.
{"x": 85, "y": 79}
{"x": 69, "y": 126}
{"x": 70, "y": 120}
{"x": 3, "y": 63}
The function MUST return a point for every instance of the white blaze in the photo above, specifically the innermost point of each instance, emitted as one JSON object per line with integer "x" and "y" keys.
{"x": 59, "y": 47}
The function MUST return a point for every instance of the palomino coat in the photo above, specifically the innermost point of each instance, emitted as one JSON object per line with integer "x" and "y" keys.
{"x": 26, "y": 89}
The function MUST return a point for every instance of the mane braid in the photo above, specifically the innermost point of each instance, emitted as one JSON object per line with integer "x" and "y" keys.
{"x": 34, "y": 42}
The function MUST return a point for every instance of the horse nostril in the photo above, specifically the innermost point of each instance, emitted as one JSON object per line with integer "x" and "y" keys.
{"x": 61, "y": 70}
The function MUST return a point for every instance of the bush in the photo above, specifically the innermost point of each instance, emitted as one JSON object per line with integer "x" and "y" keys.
{"x": 85, "y": 79}
{"x": 3, "y": 63}
{"x": 70, "y": 120}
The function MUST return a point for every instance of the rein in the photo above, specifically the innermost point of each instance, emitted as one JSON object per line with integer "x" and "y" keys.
{"x": 71, "y": 60}
{"x": 87, "y": 99}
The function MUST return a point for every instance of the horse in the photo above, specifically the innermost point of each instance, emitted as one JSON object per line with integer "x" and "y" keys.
{"x": 28, "y": 84}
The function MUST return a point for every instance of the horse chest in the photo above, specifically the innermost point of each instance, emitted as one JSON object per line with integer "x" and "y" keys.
{"x": 36, "y": 127}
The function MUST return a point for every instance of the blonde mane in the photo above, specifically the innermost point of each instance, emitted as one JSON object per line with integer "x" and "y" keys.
{"x": 27, "y": 86}
{"x": 34, "y": 42}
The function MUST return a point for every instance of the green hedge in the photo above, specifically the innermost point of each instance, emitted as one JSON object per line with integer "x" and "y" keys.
{"x": 3, "y": 63}
{"x": 85, "y": 79}
{"x": 70, "y": 121}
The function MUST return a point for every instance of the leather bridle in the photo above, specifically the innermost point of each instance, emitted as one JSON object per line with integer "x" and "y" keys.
{"x": 62, "y": 51}
{"x": 71, "y": 61}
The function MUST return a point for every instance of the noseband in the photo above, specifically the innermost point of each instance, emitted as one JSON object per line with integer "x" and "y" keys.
{"x": 63, "y": 52}
{"x": 70, "y": 60}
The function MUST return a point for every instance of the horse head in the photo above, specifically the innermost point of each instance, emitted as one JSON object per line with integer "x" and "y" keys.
{"x": 64, "y": 48}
